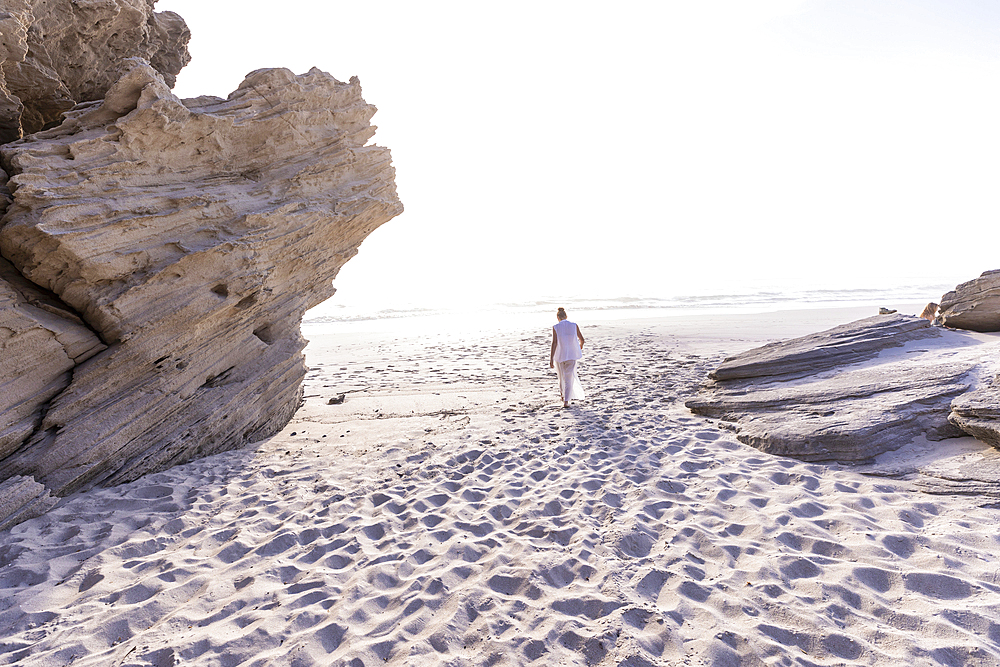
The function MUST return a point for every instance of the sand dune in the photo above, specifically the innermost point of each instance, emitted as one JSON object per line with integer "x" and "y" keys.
{"x": 450, "y": 512}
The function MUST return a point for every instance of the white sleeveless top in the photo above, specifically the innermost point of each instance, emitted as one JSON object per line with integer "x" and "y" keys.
{"x": 567, "y": 344}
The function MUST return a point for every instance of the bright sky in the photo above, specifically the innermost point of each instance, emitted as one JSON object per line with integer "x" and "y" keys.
{"x": 651, "y": 148}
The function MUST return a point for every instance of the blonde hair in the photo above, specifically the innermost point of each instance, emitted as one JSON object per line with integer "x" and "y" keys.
{"x": 561, "y": 314}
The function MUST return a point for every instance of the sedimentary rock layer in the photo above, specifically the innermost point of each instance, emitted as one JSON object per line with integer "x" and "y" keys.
{"x": 813, "y": 399}
{"x": 41, "y": 342}
{"x": 973, "y": 305}
{"x": 978, "y": 412}
{"x": 56, "y": 53}
{"x": 846, "y": 344}
{"x": 21, "y": 499}
{"x": 189, "y": 237}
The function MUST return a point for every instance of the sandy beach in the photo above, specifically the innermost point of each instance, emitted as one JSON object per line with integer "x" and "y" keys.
{"x": 449, "y": 511}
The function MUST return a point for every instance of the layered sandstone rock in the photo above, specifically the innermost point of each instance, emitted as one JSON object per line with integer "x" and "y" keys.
{"x": 189, "y": 237}
{"x": 847, "y": 394}
{"x": 22, "y": 499}
{"x": 978, "y": 412}
{"x": 973, "y": 305}
{"x": 41, "y": 342}
{"x": 56, "y": 53}
{"x": 840, "y": 346}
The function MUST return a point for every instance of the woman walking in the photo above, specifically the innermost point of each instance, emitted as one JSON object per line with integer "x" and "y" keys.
{"x": 564, "y": 355}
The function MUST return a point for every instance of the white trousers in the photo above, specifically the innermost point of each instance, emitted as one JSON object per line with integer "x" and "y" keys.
{"x": 569, "y": 383}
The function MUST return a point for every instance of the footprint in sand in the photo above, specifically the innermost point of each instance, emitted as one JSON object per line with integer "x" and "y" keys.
{"x": 937, "y": 586}
{"x": 876, "y": 578}
{"x": 901, "y": 545}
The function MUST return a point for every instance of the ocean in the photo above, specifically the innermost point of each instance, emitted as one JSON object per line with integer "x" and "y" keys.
{"x": 332, "y": 315}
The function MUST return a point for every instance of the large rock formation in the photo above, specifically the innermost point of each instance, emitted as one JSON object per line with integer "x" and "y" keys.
{"x": 56, "y": 53}
{"x": 847, "y": 394}
{"x": 171, "y": 248}
{"x": 973, "y": 305}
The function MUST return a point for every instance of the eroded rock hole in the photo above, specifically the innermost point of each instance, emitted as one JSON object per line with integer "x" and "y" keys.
{"x": 222, "y": 290}
{"x": 247, "y": 301}
{"x": 218, "y": 380}
{"x": 265, "y": 333}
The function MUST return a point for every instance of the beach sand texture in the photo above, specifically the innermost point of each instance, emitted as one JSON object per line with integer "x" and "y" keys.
{"x": 450, "y": 512}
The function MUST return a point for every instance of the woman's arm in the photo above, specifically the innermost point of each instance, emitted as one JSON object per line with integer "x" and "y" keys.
{"x": 579, "y": 335}
{"x": 552, "y": 354}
